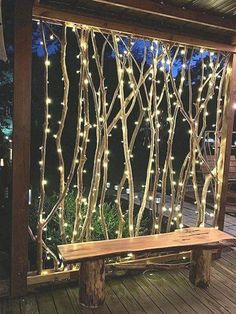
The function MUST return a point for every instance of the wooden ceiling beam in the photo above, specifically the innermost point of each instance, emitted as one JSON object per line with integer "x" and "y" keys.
{"x": 53, "y": 14}
{"x": 173, "y": 13}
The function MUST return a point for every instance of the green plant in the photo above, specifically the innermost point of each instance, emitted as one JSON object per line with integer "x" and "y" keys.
{"x": 52, "y": 233}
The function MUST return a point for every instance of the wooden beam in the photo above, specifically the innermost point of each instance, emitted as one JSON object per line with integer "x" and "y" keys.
{"x": 173, "y": 13}
{"x": 226, "y": 140}
{"x": 56, "y": 15}
{"x": 51, "y": 276}
{"x": 21, "y": 146}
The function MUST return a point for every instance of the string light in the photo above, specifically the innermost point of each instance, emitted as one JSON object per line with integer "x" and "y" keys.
{"x": 151, "y": 114}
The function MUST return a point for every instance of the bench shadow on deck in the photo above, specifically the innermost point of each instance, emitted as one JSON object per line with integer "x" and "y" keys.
{"x": 148, "y": 292}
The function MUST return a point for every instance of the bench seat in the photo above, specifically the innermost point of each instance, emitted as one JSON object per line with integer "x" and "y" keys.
{"x": 91, "y": 255}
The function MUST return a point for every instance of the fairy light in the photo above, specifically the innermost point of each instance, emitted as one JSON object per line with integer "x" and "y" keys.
{"x": 47, "y": 62}
{"x": 149, "y": 112}
{"x": 48, "y": 101}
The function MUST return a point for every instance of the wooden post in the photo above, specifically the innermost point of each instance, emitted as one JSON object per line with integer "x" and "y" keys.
{"x": 226, "y": 139}
{"x": 21, "y": 145}
{"x": 92, "y": 283}
{"x": 200, "y": 268}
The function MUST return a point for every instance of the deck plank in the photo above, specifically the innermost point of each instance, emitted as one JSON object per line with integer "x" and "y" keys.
{"x": 10, "y": 307}
{"x": 217, "y": 294}
{"x": 113, "y": 302}
{"x": 230, "y": 259}
{"x": 140, "y": 296}
{"x": 62, "y": 301}
{"x": 177, "y": 285}
{"x": 46, "y": 303}
{"x": 199, "y": 294}
{"x": 229, "y": 284}
{"x": 73, "y": 294}
{"x": 104, "y": 309}
{"x": 226, "y": 271}
{"x": 125, "y": 297}
{"x": 29, "y": 305}
{"x": 163, "y": 303}
{"x": 161, "y": 284}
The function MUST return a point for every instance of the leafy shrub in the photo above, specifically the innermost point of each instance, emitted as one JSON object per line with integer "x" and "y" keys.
{"x": 52, "y": 233}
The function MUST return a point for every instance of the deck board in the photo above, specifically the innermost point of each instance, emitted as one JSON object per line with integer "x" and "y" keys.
{"x": 162, "y": 284}
{"x": 10, "y": 307}
{"x": 185, "y": 294}
{"x": 113, "y": 302}
{"x": 125, "y": 297}
{"x": 45, "y": 302}
{"x": 157, "y": 291}
{"x": 162, "y": 303}
{"x": 140, "y": 296}
{"x": 62, "y": 301}
{"x": 198, "y": 295}
{"x": 29, "y": 305}
{"x": 216, "y": 292}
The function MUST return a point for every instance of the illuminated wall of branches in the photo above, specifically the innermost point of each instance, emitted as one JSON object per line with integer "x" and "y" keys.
{"x": 140, "y": 109}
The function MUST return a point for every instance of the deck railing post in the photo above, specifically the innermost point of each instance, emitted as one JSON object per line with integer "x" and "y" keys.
{"x": 21, "y": 146}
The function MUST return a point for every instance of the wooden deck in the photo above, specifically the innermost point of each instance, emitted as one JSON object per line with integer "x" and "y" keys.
{"x": 148, "y": 292}
{"x": 190, "y": 215}
{"x": 190, "y": 218}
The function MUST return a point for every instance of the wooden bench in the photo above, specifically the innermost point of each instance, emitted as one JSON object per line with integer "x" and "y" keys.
{"x": 91, "y": 255}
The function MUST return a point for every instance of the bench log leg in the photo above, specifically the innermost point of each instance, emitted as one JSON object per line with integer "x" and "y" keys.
{"x": 92, "y": 283}
{"x": 200, "y": 268}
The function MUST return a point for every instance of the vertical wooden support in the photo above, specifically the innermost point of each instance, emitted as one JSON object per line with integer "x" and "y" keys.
{"x": 92, "y": 283}
{"x": 21, "y": 145}
{"x": 226, "y": 139}
{"x": 200, "y": 269}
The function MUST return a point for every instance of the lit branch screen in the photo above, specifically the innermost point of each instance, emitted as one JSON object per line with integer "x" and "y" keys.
{"x": 121, "y": 138}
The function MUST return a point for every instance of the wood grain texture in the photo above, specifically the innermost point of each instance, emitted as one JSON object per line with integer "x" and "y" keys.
{"x": 188, "y": 238}
{"x": 92, "y": 283}
{"x": 200, "y": 269}
{"x": 21, "y": 146}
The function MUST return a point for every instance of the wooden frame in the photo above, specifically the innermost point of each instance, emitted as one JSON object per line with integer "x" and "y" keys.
{"x": 22, "y": 103}
{"x": 21, "y": 146}
{"x": 56, "y": 15}
{"x": 173, "y": 13}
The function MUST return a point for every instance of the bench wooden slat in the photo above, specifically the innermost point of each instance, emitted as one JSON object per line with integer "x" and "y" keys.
{"x": 185, "y": 238}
